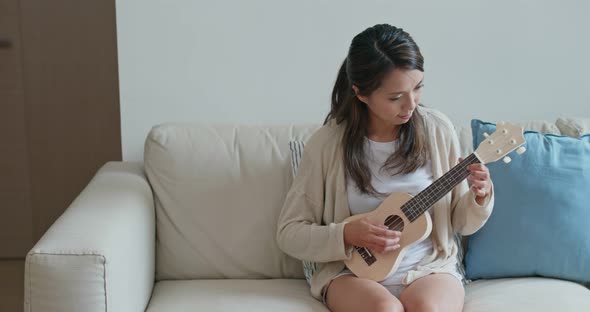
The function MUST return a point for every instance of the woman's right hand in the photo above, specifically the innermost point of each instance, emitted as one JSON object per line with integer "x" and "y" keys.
{"x": 377, "y": 237}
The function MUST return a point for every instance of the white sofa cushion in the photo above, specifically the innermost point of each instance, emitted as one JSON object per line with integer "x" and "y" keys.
{"x": 234, "y": 295}
{"x": 526, "y": 294}
{"x": 506, "y": 295}
{"x": 218, "y": 193}
{"x": 573, "y": 127}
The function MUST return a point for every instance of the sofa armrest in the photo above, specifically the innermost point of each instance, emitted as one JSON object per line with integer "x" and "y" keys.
{"x": 99, "y": 255}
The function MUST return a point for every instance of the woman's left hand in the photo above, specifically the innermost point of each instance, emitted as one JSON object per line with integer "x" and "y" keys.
{"x": 479, "y": 179}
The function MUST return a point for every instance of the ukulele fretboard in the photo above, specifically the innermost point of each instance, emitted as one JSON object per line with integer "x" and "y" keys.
{"x": 415, "y": 207}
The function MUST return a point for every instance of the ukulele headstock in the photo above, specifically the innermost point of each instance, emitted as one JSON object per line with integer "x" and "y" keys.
{"x": 503, "y": 141}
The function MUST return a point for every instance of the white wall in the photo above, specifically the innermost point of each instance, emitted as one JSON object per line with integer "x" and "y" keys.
{"x": 269, "y": 61}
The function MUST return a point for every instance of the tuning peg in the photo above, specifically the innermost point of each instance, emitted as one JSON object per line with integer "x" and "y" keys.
{"x": 507, "y": 159}
{"x": 485, "y": 134}
{"x": 520, "y": 150}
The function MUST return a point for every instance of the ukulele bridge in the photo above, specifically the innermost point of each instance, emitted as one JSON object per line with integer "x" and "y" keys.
{"x": 366, "y": 255}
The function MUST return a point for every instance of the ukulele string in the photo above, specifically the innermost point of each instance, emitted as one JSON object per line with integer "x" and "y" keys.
{"x": 471, "y": 159}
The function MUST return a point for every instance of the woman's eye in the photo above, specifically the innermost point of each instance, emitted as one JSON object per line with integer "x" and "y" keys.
{"x": 394, "y": 99}
{"x": 419, "y": 86}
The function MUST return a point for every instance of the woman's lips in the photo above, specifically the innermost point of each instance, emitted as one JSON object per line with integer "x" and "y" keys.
{"x": 405, "y": 116}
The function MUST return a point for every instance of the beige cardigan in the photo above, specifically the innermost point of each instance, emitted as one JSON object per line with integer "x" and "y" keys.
{"x": 310, "y": 226}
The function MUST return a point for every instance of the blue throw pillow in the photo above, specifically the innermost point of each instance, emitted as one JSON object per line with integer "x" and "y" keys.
{"x": 540, "y": 225}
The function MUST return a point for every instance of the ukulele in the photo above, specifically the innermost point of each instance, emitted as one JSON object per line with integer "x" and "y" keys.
{"x": 404, "y": 213}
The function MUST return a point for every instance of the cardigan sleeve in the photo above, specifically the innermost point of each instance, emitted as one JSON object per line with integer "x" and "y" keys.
{"x": 300, "y": 232}
{"x": 467, "y": 215}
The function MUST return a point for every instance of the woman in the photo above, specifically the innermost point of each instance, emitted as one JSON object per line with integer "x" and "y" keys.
{"x": 376, "y": 140}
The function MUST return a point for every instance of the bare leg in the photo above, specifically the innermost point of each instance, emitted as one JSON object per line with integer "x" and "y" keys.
{"x": 350, "y": 293}
{"x": 433, "y": 293}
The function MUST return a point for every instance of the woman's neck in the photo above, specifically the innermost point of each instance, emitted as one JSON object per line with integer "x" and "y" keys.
{"x": 382, "y": 132}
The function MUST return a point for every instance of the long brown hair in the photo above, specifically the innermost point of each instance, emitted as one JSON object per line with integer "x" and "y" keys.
{"x": 372, "y": 54}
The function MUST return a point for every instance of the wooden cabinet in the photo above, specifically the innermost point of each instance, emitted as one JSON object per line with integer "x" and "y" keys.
{"x": 16, "y": 232}
{"x": 59, "y": 110}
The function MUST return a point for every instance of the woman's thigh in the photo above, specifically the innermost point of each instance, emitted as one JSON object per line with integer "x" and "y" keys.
{"x": 350, "y": 293}
{"x": 434, "y": 292}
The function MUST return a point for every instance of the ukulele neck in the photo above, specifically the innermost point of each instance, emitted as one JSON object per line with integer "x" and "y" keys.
{"x": 415, "y": 207}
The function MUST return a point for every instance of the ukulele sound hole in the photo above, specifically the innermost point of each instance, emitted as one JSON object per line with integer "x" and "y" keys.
{"x": 394, "y": 222}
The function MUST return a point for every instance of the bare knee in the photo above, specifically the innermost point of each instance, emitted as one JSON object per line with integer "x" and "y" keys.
{"x": 386, "y": 304}
{"x": 372, "y": 302}
{"x": 352, "y": 294}
{"x": 430, "y": 306}
{"x": 421, "y": 306}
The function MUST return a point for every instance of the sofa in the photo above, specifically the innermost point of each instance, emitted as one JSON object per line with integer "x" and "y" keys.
{"x": 192, "y": 228}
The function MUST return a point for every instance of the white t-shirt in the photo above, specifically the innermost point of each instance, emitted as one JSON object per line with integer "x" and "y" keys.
{"x": 412, "y": 183}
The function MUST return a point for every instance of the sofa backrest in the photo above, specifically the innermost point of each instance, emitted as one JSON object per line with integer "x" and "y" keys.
{"x": 219, "y": 190}
{"x": 218, "y": 193}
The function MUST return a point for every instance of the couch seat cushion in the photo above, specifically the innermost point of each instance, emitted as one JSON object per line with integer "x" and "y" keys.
{"x": 233, "y": 295}
{"x": 506, "y": 295}
{"x": 526, "y": 294}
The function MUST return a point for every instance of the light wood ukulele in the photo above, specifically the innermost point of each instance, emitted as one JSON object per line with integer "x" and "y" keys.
{"x": 404, "y": 213}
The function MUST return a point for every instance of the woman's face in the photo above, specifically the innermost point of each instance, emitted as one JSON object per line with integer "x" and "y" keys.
{"x": 395, "y": 100}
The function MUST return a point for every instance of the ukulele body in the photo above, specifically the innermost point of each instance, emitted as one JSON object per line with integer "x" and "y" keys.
{"x": 390, "y": 213}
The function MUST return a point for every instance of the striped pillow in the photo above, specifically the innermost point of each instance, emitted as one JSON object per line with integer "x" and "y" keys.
{"x": 296, "y": 147}
{"x": 296, "y": 154}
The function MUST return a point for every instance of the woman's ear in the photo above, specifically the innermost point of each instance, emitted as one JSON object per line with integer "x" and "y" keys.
{"x": 361, "y": 98}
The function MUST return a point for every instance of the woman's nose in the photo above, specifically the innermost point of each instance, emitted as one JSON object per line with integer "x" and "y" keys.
{"x": 411, "y": 103}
